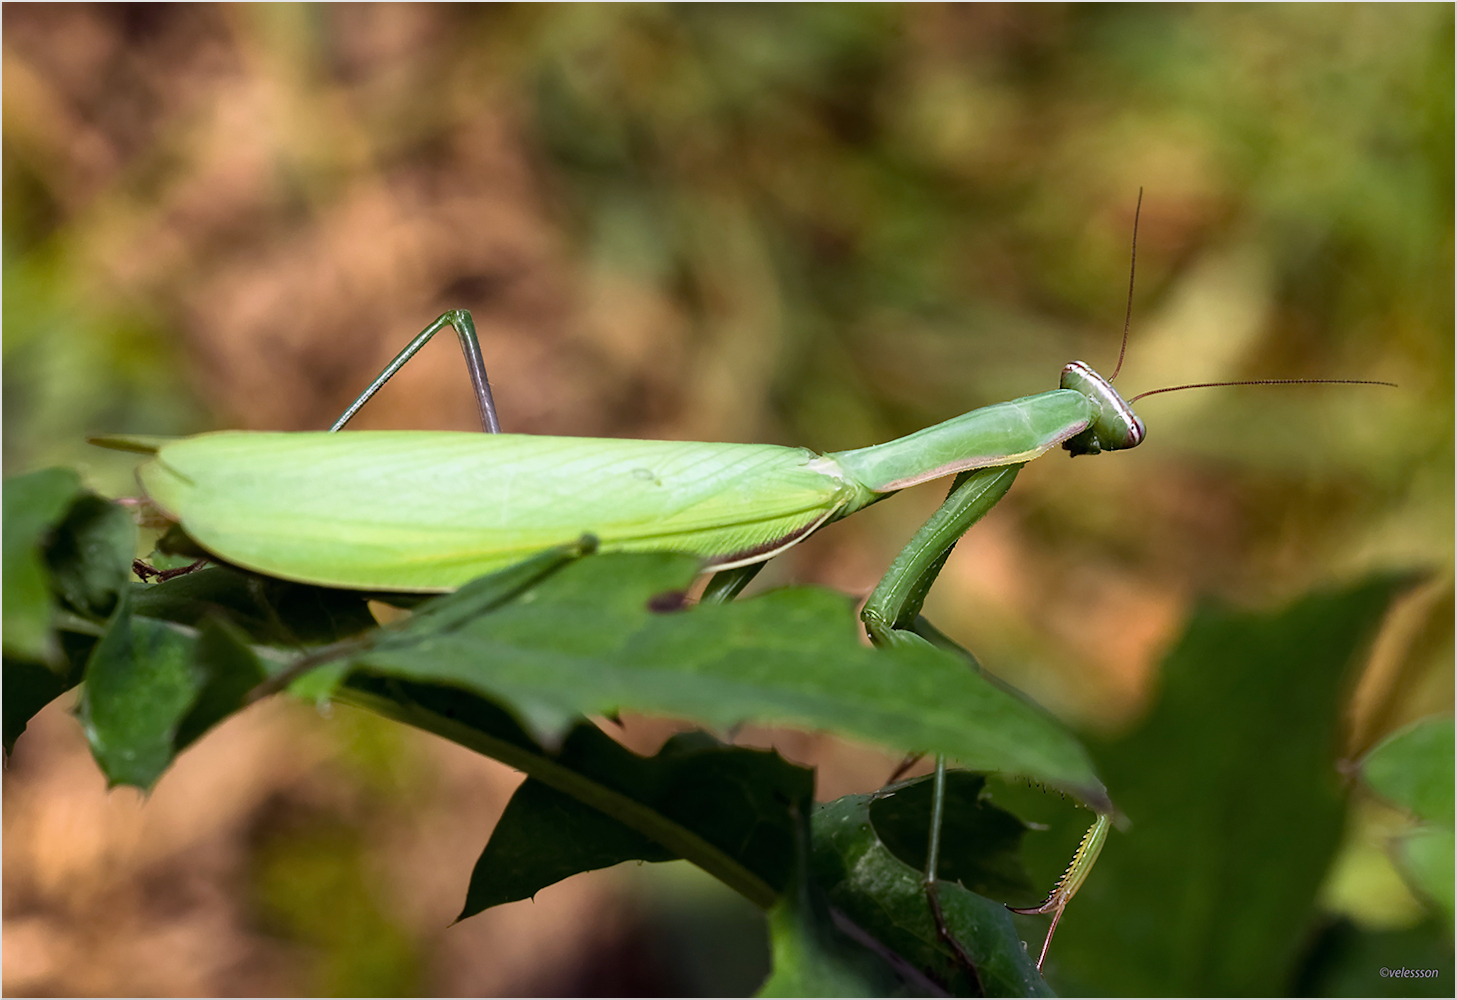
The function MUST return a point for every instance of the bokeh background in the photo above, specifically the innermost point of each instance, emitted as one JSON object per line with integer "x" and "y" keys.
{"x": 822, "y": 225}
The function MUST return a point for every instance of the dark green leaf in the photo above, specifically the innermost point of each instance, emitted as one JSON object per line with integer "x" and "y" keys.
{"x": 344, "y": 616}
{"x": 1425, "y": 858}
{"x": 140, "y": 684}
{"x": 230, "y": 670}
{"x": 545, "y": 836}
{"x": 1235, "y": 805}
{"x": 886, "y": 897}
{"x": 270, "y": 612}
{"x": 586, "y": 641}
{"x": 1413, "y": 769}
{"x": 735, "y": 799}
{"x": 30, "y": 687}
{"x": 90, "y": 555}
{"x": 33, "y": 505}
{"x": 981, "y": 843}
{"x": 814, "y": 958}
{"x": 592, "y": 770}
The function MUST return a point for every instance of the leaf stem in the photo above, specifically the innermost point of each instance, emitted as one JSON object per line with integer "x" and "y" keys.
{"x": 535, "y": 764}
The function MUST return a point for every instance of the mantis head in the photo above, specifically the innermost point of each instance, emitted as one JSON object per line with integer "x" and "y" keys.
{"x": 1115, "y": 426}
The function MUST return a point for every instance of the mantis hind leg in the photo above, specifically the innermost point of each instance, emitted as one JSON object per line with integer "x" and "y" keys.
{"x": 465, "y": 330}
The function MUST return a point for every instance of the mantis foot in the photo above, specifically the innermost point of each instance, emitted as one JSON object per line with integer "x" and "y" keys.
{"x": 909, "y": 761}
{"x": 1055, "y": 907}
{"x": 148, "y": 573}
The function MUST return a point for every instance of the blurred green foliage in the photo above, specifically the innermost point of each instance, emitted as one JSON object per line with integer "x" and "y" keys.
{"x": 314, "y": 885}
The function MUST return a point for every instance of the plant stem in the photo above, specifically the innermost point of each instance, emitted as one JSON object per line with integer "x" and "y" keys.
{"x": 539, "y": 766}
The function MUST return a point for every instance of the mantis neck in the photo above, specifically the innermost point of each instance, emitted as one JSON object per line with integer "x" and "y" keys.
{"x": 1001, "y": 434}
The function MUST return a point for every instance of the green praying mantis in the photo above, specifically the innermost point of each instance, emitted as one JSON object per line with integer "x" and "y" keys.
{"x": 428, "y": 511}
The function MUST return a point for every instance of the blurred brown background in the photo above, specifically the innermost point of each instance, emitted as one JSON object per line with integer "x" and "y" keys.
{"x": 821, "y": 225}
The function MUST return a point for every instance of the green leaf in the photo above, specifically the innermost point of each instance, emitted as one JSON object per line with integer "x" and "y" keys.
{"x": 883, "y": 895}
{"x": 140, "y": 684}
{"x": 1425, "y": 858}
{"x": 230, "y": 669}
{"x": 1235, "y": 804}
{"x": 588, "y": 640}
{"x": 342, "y": 619}
{"x": 90, "y": 555}
{"x": 1413, "y": 768}
{"x": 57, "y": 540}
{"x": 981, "y": 843}
{"x": 486, "y": 593}
{"x": 545, "y": 836}
{"x": 33, "y": 505}
{"x": 30, "y": 686}
{"x": 735, "y": 799}
{"x": 697, "y": 796}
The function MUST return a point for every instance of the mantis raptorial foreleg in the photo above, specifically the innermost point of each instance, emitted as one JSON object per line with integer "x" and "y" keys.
{"x": 1072, "y": 879}
{"x": 892, "y": 616}
{"x": 895, "y": 604}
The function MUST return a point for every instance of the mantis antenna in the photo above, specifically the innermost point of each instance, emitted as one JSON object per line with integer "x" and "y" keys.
{"x": 1128, "y": 317}
{"x": 1132, "y": 266}
{"x": 1265, "y": 381}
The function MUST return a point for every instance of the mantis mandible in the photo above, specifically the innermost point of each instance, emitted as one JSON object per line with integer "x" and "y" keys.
{"x": 428, "y": 511}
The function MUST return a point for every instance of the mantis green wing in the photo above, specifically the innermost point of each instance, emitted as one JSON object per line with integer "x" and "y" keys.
{"x": 424, "y": 511}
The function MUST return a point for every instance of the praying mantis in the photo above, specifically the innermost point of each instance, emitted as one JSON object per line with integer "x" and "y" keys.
{"x": 429, "y": 511}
